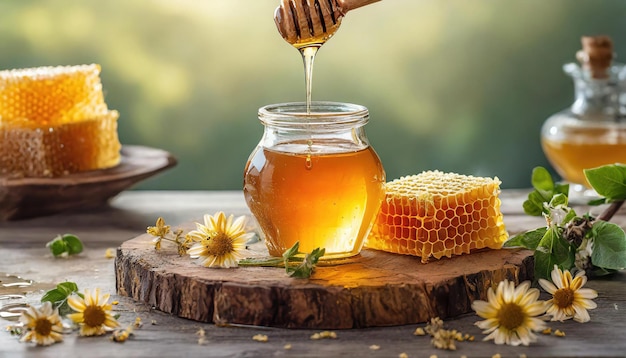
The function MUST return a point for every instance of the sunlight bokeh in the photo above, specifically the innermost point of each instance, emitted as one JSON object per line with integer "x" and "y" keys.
{"x": 454, "y": 85}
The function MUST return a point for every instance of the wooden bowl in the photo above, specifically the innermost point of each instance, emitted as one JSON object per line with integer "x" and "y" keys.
{"x": 30, "y": 197}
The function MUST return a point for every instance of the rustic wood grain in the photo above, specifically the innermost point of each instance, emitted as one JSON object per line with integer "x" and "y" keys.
{"x": 23, "y": 252}
{"x": 374, "y": 289}
{"x": 30, "y": 197}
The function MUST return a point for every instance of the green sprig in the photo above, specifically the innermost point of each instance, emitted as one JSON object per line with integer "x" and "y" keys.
{"x": 297, "y": 264}
{"x": 58, "y": 296}
{"x": 307, "y": 266}
{"x": 65, "y": 245}
{"x": 571, "y": 241}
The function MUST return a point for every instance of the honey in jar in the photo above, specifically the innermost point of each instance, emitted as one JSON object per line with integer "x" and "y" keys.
{"x": 592, "y": 132}
{"x": 314, "y": 178}
{"x": 583, "y": 147}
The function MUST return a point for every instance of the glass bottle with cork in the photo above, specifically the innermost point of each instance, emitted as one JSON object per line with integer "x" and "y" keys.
{"x": 592, "y": 132}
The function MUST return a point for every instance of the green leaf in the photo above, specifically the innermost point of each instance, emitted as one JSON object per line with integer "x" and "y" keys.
{"x": 560, "y": 188}
{"x": 609, "y": 246}
{"x": 531, "y": 207}
{"x": 571, "y": 214}
{"x": 57, "y": 246}
{"x": 292, "y": 251}
{"x": 67, "y": 288}
{"x": 67, "y": 244}
{"x": 53, "y": 296}
{"x": 74, "y": 245}
{"x": 60, "y": 293}
{"x": 596, "y": 202}
{"x": 58, "y": 296}
{"x": 609, "y": 181}
{"x": 528, "y": 240}
{"x": 542, "y": 181}
{"x": 64, "y": 308}
{"x": 552, "y": 250}
{"x": 534, "y": 205}
{"x": 306, "y": 268}
{"x": 295, "y": 265}
{"x": 546, "y": 191}
{"x": 558, "y": 199}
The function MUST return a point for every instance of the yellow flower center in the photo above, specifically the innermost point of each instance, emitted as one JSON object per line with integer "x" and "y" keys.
{"x": 220, "y": 245}
{"x": 564, "y": 297}
{"x": 94, "y": 316}
{"x": 511, "y": 316}
{"x": 43, "y": 326}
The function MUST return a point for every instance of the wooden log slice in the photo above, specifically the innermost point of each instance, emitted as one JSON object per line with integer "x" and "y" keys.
{"x": 373, "y": 289}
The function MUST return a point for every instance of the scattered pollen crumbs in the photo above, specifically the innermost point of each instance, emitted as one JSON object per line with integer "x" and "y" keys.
{"x": 324, "y": 334}
{"x": 260, "y": 337}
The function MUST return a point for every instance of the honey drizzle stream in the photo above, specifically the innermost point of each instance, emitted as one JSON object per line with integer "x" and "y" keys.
{"x": 308, "y": 57}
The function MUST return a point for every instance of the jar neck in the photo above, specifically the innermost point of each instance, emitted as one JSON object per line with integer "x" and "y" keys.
{"x": 337, "y": 127}
{"x": 595, "y": 99}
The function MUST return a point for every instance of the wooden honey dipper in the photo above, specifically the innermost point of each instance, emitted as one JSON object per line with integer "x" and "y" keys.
{"x": 312, "y": 22}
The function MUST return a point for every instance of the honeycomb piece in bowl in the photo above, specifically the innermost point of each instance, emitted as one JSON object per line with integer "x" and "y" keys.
{"x": 51, "y": 95}
{"x": 31, "y": 150}
{"x": 436, "y": 214}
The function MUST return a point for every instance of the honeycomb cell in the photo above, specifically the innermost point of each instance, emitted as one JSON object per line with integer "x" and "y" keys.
{"x": 405, "y": 220}
{"x": 455, "y": 221}
{"x": 449, "y": 214}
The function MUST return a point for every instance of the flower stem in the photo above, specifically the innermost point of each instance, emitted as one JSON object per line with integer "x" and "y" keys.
{"x": 608, "y": 213}
{"x": 263, "y": 262}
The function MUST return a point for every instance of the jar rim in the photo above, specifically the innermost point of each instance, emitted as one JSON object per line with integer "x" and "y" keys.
{"x": 322, "y": 113}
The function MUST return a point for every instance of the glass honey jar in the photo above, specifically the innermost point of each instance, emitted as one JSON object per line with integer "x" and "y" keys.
{"x": 592, "y": 132}
{"x": 314, "y": 178}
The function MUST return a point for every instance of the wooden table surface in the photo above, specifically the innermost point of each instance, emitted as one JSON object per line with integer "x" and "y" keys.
{"x": 23, "y": 253}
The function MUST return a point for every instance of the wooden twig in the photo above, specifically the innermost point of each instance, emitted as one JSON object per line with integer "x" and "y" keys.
{"x": 608, "y": 213}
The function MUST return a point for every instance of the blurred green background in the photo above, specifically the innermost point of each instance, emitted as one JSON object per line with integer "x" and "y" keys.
{"x": 454, "y": 85}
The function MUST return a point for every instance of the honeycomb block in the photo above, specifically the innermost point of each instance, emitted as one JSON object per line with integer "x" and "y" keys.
{"x": 436, "y": 214}
{"x": 51, "y": 95}
{"x": 30, "y": 150}
{"x": 54, "y": 122}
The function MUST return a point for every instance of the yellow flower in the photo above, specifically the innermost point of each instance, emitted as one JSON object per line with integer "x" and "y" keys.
{"x": 219, "y": 242}
{"x": 93, "y": 313}
{"x": 43, "y": 326}
{"x": 160, "y": 230}
{"x": 510, "y": 313}
{"x": 569, "y": 299}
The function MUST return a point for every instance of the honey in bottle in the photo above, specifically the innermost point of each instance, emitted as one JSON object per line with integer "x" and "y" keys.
{"x": 314, "y": 178}
{"x": 592, "y": 132}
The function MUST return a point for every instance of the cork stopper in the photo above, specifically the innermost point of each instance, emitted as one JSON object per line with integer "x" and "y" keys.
{"x": 596, "y": 55}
